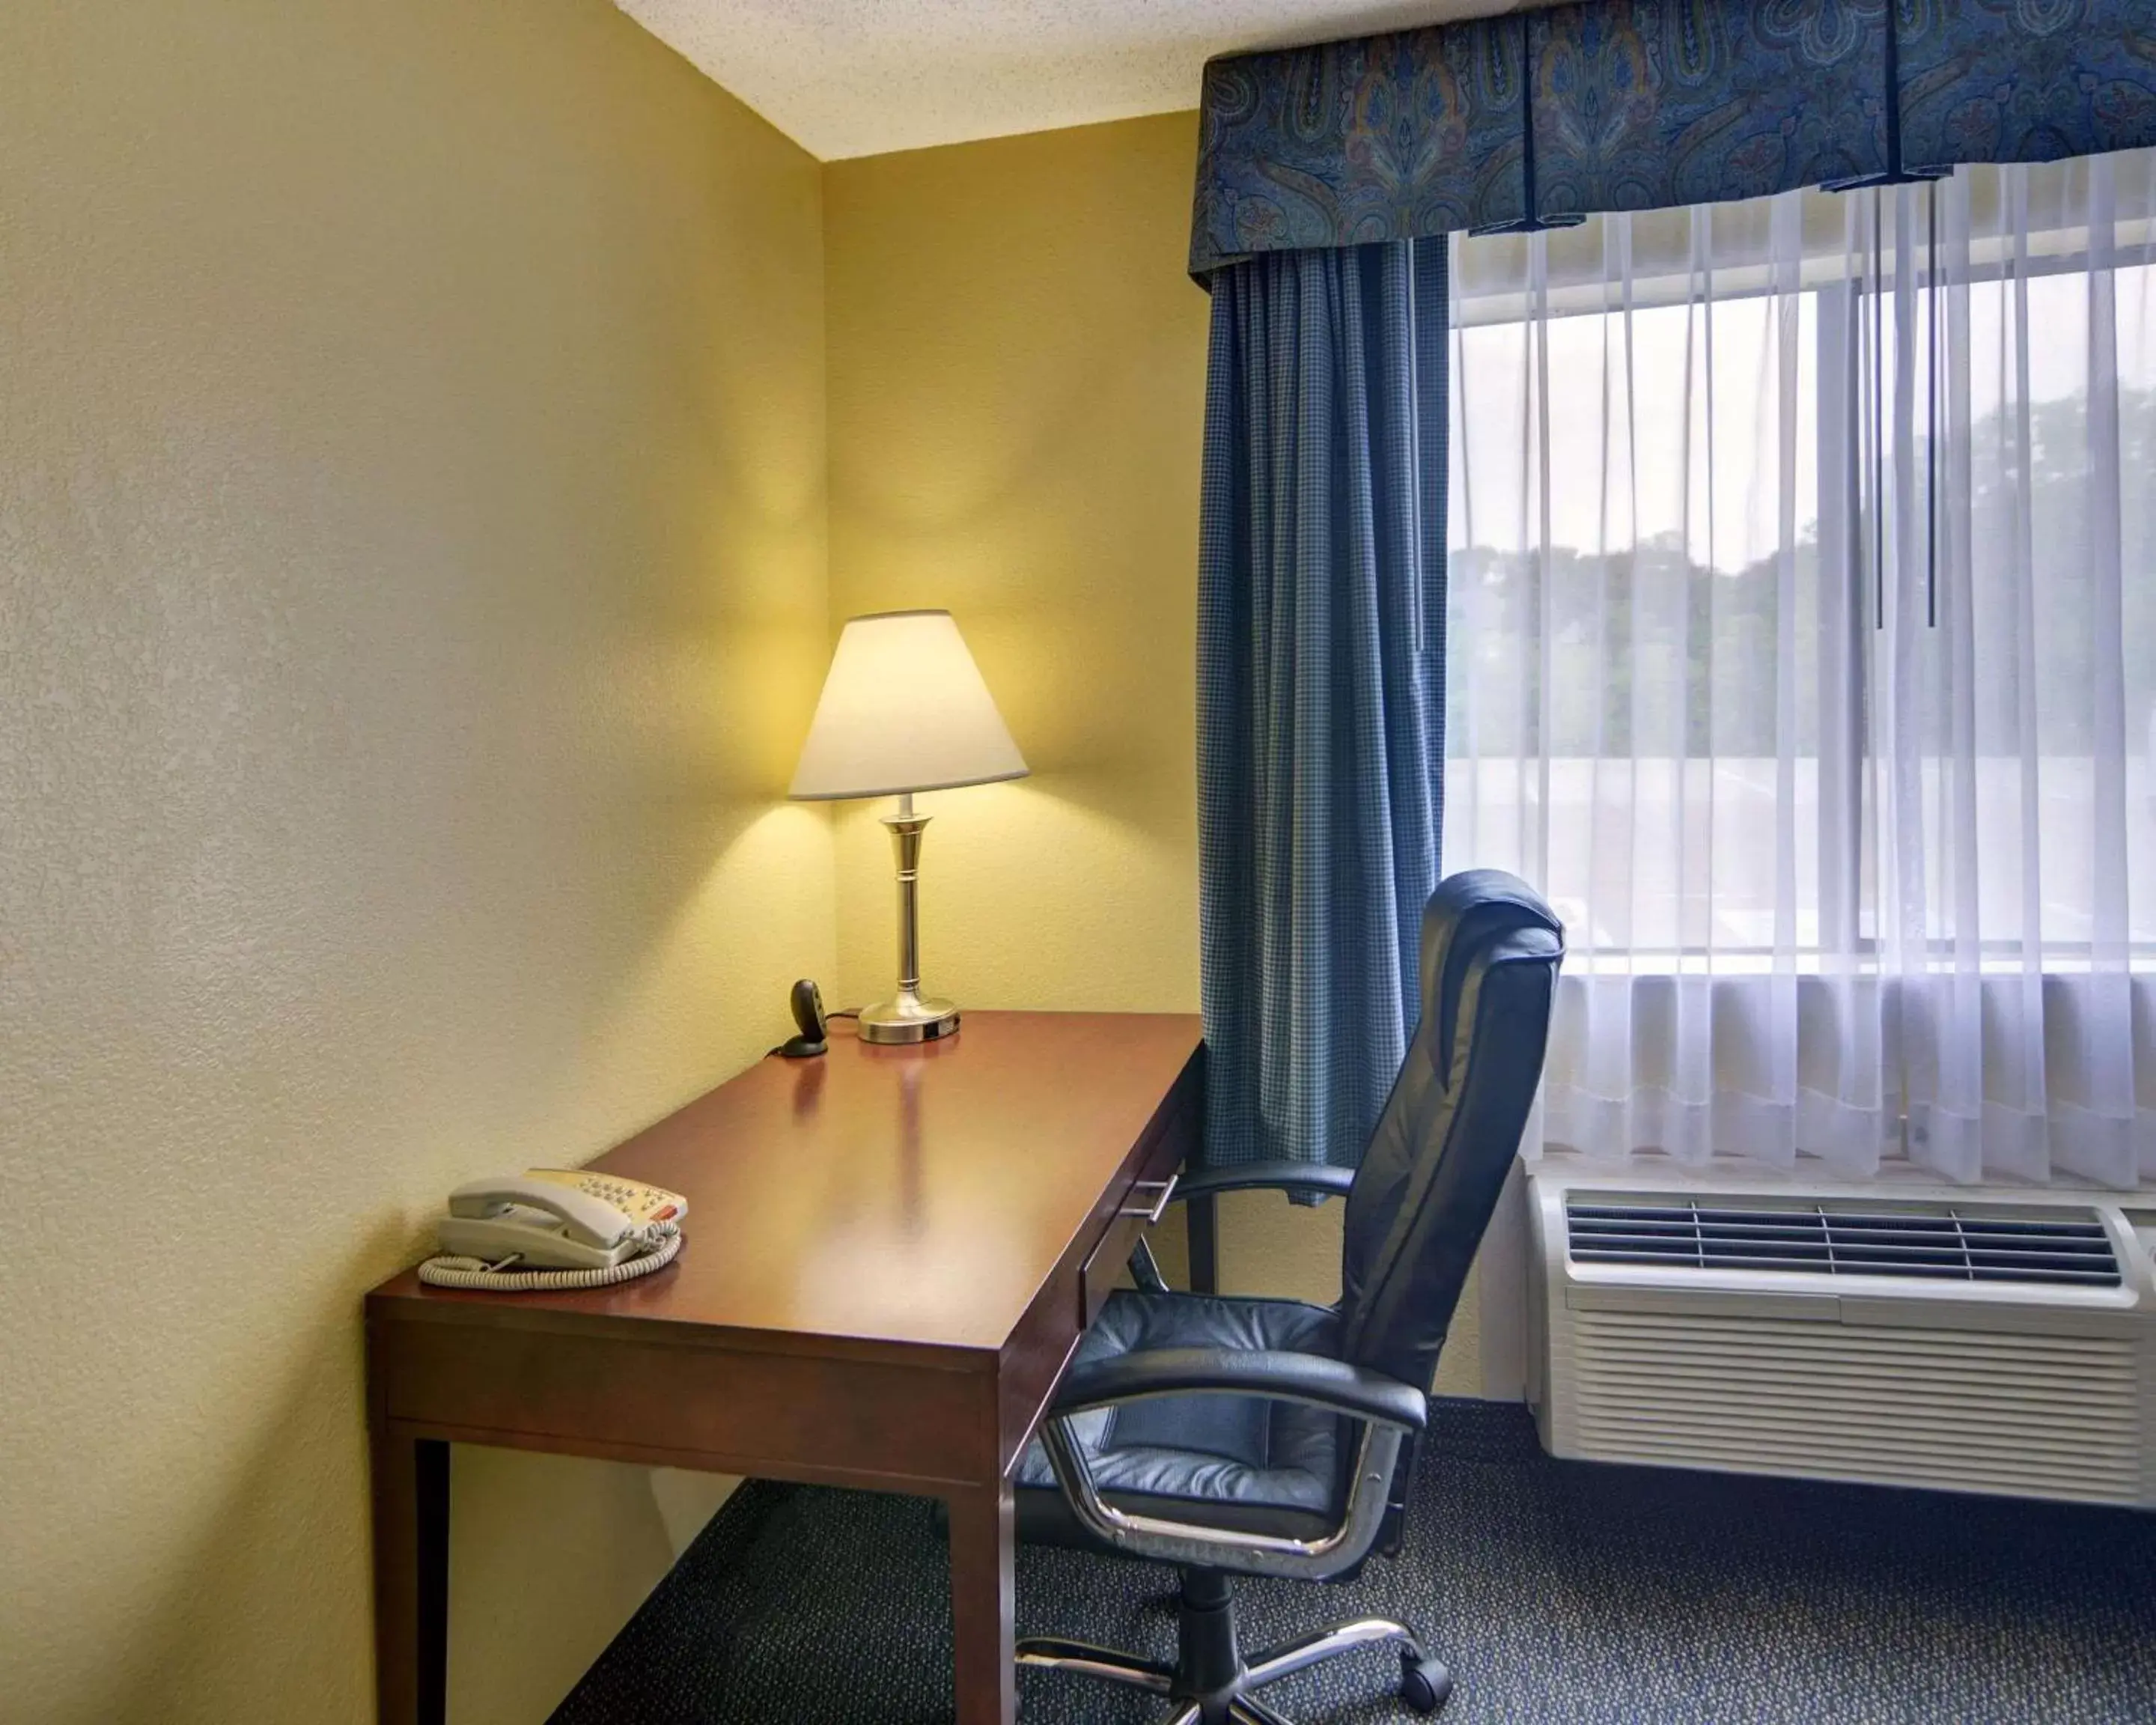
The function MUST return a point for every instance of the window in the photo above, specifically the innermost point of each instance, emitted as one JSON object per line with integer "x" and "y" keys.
{"x": 1802, "y": 624}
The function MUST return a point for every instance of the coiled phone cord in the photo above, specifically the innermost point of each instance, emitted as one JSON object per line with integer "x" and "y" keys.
{"x": 664, "y": 1238}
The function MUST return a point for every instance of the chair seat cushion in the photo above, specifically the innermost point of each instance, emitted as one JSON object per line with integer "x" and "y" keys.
{"x": 1217, "y": 1460}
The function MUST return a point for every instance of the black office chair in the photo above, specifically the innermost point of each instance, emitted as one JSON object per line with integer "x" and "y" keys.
{"x": 1270, "y": 1437}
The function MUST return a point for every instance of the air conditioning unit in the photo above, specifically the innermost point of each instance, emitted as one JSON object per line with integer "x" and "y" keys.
{"x": 1912, "y": 1336}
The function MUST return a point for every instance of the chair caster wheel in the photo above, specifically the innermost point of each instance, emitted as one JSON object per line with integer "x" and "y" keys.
{"x": 1426, "y": 1685}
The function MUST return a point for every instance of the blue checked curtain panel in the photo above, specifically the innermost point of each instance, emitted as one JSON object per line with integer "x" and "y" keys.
{"x": 1320, "y": 699}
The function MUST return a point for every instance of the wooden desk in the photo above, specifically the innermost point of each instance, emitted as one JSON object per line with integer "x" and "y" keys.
{"x": 890, "y": 1254}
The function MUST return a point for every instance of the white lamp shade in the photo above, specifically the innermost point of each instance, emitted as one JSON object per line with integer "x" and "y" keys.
{"x": 903, "y": 709}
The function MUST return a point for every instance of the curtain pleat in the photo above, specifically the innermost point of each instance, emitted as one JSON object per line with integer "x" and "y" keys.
{"x": 1321, "y": 640}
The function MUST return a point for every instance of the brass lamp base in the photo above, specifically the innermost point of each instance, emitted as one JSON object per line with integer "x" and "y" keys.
{"x": 909, "y": 1018}
{"x": 906, "y": 1018}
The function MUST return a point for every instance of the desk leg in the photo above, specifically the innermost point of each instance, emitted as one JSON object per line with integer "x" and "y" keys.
{"x": 411, "y": 1579}
{"x": 983, "y": 1606}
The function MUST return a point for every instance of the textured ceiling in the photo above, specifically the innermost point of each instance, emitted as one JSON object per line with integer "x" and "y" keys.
{"x": 860, "y": 77}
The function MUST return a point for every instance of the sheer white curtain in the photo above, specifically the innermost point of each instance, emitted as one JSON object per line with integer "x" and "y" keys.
{"x": 1802, "y": 649}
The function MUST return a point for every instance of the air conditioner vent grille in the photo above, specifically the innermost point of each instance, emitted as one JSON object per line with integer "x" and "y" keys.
{"x": 1944, "y": 1243}
{"x": 1969, "y": 1410}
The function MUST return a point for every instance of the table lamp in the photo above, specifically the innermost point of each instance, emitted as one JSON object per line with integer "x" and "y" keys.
{"x": 904, "y": 709}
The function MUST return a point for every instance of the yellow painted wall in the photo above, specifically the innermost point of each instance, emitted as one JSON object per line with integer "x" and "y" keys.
{"x": 1018, "y": 387}
{"x": 1018, "y": 375}
{"x": 412, "y": 597}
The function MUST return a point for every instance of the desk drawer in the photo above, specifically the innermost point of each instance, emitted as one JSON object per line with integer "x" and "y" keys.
{"x": 1149, "y": 1179}
{"x": 1145, "y": 1201}
{"x": 1093, "y": 1267}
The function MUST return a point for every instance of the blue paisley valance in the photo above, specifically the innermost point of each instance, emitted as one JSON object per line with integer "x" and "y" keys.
{"x": 1544, "y": 117}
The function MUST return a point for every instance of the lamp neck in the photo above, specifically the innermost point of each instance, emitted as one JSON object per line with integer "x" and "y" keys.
{"x": 906, "y": 828}
{"x": 908, "y": 1018}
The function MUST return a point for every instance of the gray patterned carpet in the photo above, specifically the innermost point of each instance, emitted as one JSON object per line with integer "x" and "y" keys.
{"x": 1557, "y": 1591}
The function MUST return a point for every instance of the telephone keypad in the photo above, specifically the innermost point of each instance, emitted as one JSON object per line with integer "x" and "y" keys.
{"x": 640, "y": 1203}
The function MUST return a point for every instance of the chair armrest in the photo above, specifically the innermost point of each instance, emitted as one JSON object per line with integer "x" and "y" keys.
{"x": 1267, "y": 1176}
{"x": 1309, "y": 1377}
{"x": 1386, "y": 1407}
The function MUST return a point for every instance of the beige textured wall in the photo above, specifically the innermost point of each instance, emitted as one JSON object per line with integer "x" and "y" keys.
{"x": 412, "y": 592}
{"x": 412, "y": 595}
{"x": 1017, "y": 391}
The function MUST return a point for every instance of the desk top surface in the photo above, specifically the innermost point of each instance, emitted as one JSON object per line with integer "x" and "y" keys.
{"x": 915, "y": 1195}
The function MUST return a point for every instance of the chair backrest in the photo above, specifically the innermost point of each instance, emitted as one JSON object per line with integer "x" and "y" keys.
{"x": 1437, "y": 1161}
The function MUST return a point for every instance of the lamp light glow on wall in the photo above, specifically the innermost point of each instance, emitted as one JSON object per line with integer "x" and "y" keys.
{"x": 903, "y": 710}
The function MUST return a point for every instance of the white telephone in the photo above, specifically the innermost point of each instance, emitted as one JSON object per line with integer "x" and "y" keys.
{"x": 555, "y": 1228}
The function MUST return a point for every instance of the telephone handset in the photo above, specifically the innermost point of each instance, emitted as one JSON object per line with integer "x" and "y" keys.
{"x": 555, "y": 1228}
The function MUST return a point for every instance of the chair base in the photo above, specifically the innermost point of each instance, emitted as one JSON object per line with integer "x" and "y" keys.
{"x": 1210, "y": 1683}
